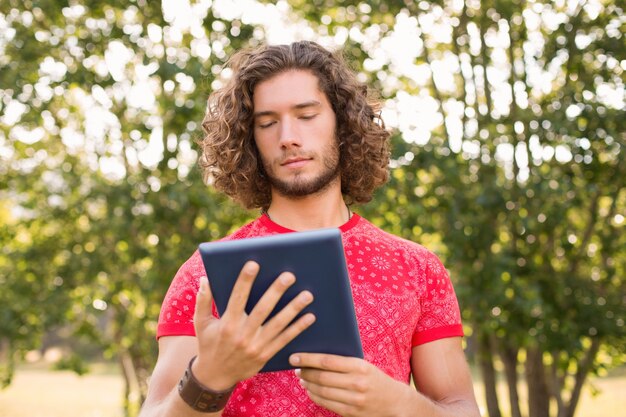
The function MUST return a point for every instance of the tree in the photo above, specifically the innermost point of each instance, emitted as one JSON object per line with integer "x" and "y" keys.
{"x": 102, "y": 201}
{"x": 522, "y": 178}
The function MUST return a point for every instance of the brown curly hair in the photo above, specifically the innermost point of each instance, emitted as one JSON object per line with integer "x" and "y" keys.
{"x": 229, "y": 157}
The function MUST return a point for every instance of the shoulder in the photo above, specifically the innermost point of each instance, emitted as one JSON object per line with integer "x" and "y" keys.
{"x": 421, "y": 262}
{"x": 368, "y": 232}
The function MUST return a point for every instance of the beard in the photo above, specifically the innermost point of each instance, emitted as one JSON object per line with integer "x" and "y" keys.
{"x": 298, "y": 186}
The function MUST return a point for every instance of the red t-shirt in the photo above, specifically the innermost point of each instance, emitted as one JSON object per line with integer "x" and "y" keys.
{"x": 402, "y": 295}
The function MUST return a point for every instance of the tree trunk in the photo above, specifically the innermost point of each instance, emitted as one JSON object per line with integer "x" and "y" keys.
{"x": 127, "y": 373}
{"x": 7, "y": 363}
{"x": 557, "y": 382}
{"x": 133, "y": 396}
{"x": 485, "y": 354}
{"x": 584, "y": 367}
{"x": 142, "y": 372}
{"x": 538, "y": 393}
{"x": 509, "y": 357}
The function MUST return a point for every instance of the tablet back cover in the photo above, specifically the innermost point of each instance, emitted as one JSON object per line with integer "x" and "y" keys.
{"x": 317, "y": 260}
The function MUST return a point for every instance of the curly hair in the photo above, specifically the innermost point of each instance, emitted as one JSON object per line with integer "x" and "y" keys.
{"x": 229, "y": 156}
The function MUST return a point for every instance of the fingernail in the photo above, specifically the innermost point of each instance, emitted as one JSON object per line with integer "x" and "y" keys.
{"x": 294, "y": 359}
{"x": 251, "y": 267}
{"x": 202, "y": 284}
{"x": 287, "y": 279}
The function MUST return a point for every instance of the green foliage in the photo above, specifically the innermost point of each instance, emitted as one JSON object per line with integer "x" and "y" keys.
{"x": 72, "y": 363}
{"x": 535, "y": 241}
{"x": 93, "y": 231}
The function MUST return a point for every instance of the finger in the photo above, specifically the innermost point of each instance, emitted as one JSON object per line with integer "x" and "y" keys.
{"x": 281, "y": 320}
{"x": 338, "y": 407}
{"x": 241, "y": 289}
{"x": 327, "y": 362}
{"x": 330, "y": 394}
{"x": 270, "y": 298}
{"x": 312, "y": 376}
{"x": 277, "y": 343}
{"x": 204, "y": 302}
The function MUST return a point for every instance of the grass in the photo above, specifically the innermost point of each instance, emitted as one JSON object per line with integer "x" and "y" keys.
{"x": 38, "y": 391}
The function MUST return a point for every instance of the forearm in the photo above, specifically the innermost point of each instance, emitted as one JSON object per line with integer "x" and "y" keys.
{"x": 187, "y": 397}
{"x": 417, "y": 404}
{"x": 172, "y": 405}
{"x": 228, "y": 350}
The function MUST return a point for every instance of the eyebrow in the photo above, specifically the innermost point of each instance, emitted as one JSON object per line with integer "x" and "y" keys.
{"x": 299, "y": 106}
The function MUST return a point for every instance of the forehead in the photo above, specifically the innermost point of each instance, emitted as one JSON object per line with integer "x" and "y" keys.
{"x": 286, "y": 90}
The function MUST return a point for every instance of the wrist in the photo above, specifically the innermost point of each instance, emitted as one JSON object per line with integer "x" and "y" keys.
{"x": 209, "y": 377}
{"x": 407, "y": 402}
{"x": 198, "y": 396}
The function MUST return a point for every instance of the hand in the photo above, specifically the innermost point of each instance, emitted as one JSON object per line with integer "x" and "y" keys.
{"x": 350, "y": 386}
{"x": 238, "y": 345}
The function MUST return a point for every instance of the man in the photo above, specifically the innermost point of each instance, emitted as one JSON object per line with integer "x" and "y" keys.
{"x": 294, "y": 133}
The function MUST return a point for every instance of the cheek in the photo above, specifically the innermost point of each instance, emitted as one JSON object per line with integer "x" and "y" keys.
{"x": 332, "y": 126}
{"x": 261, "y": 148}
{"x": 261, "y": 140}
{"x": 326, "y": 129}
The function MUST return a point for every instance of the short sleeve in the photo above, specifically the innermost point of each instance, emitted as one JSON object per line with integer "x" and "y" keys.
{"x": 440, "y": 315}
{"x": 177, "y": 310}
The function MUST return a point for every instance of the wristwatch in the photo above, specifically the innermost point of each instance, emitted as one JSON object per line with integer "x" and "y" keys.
{"x": 199, "y": 397}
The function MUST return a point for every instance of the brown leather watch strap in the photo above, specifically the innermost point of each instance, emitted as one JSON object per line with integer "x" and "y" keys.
{"x": 199, "y": 397}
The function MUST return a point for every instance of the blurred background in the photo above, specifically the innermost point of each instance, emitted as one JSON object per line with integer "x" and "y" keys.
{"x": 509, "y": 140}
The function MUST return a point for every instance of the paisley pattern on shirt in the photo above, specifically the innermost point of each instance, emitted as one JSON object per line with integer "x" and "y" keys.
{"x": 402, "y": 294}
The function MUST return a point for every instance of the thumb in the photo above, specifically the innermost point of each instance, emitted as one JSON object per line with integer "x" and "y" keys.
{"x": 203, "y": 314}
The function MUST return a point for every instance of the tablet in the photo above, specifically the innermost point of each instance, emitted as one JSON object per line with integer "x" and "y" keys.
{"x": 317, "y": 260}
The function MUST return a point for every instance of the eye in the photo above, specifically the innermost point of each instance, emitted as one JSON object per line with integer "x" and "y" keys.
{"x": 265, "y": 125}
{"x": 308, "y": 116}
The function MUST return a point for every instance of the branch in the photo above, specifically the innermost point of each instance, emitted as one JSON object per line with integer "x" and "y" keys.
{"x": 593, "y": 219}
{"x": 613, "y": 232}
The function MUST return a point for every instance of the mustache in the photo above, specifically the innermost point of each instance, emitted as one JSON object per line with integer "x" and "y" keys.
{"x": 293, "y": 155}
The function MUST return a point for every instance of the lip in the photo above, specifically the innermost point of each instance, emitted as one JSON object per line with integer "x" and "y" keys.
{"x": 294, "y": 162}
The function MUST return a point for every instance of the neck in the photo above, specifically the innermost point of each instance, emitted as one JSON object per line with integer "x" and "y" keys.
{"x": 310, "y": 212}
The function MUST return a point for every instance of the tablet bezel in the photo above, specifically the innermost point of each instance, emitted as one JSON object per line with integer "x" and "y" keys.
{"x": 317, "y": 260}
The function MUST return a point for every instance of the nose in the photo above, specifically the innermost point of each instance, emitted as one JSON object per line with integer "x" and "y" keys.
{"x": 289, "y": 135}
